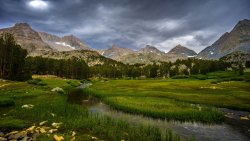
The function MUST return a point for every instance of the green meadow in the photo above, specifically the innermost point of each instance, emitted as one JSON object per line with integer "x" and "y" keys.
{"x": 193, "y": 99}
{"x": 185, "y": 99}
{"x": 53, "y": 107}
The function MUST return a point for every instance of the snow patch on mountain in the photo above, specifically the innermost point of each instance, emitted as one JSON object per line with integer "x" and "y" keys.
{"x": 65, "y": 44}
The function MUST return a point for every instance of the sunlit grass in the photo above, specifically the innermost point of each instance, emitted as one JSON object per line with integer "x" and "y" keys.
{"x": 172, "y": 98}
{"x": 53, "y": 107}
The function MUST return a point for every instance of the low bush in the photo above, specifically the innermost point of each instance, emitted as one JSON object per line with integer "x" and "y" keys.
{"x": 6, "y": 102}
{"x": 247, "y": 80}
{"x": 73, "y": 83}
{"x": 214, "y": 82}
{"x": 200, "y": 77}
{"x": 34, "y": 81}
{"x": 180, "y": 77}
{"x": 42, "y": 83}
{"x": 237, "y": 79}
{"x": 10, "y": 123}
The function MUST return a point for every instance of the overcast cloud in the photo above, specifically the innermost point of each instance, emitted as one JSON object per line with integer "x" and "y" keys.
{"x": 130, "y": 23}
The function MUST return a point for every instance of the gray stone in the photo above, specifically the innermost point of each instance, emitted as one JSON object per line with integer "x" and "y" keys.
{"x": 3, "y": 139}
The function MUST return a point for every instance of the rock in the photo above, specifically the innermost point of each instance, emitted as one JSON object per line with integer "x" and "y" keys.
{"x": 25, "y": 138}
{"x": 58, "y": 138}
{"x": 57, "y": 89}
{"x": 3, "y": 139}
{"x": 52, "y": 131}
{"x": 94, "y": 138}
{"x": 31, "y": 128}
{"x": 42, "y": 123}
{"x": 73, "y": 133}
{"x": 42, "y": 130}
{"x": 28, "y": 106}
{"x": 73, "y": 139}
{"x": 34, "y": 136}
{"x": 13, "y": 132}
{"x": 244, "y": 118}
{"x": 56, "y": 125}
{"x": 1, "y": 134}
{"x": 19, "y": 135}
{"x": 52, "y": 114}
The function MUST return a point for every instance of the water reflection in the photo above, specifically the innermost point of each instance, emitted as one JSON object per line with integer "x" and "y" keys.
{"x": 223, "y": 132}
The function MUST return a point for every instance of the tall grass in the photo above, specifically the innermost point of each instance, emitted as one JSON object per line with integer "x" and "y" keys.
{"x": 77, "y": 118}
{"x": 162, "y": 108}
{"x": 229, "y": 94}
{"x": 53, "y": 107}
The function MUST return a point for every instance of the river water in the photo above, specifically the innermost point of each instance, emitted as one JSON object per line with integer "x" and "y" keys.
{"x": 201, "y": 132}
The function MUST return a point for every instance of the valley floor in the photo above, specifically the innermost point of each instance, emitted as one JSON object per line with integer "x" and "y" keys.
{"x": 25, "y": 104}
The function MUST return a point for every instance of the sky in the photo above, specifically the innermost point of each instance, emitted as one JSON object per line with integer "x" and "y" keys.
{"x": 133, "y": 24}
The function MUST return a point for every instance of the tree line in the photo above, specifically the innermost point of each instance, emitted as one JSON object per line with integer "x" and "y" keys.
{"x": 12, "y": 59}
{"x": 73, "y": 68}
{"x": 160, "y": 69}
{"x": 14, "y": 65}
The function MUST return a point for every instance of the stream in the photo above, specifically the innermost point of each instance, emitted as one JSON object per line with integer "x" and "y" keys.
{"x": 232, "y": 130}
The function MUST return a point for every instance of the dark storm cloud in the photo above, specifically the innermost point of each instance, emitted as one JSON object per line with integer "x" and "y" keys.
{"x": 130, "y": 23}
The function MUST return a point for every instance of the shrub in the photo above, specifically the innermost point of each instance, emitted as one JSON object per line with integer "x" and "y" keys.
{"x": 202, "y": 77}
{"x": 42, "y": 83}
{"x": 180, "y": 77}
{"x": 237, "y": 79}
{"x": 214, "y": 82}
{"x": 34, "y": 81}
{"x": 73, "y": 83}
{"x": 6, "y": 102}
{"x": 9, "y": 123}
{"x": 247, "y": 80}
{"x": 225, "y": 79}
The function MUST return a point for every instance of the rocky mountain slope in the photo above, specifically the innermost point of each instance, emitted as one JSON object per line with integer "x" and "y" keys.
{"x": 149, "y": 49}
{"x": 28, "y": 38}
{"x": 236, "y": 40}
{"x": 48, "y": 45}
{"x": 181, "y": 50}
{"x": 115, "y": 52}
{"x": 146, "y": 55}
{"x": 90, "y": 57}
{"x": 238, "y": 56}
{"x": 150, "y": 54}
{"x": 66, "y": 43}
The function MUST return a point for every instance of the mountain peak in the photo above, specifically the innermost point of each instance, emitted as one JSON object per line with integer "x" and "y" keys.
{"x": 28, "y": 38}
{"x": 245, "y": 21}
{"x": 181, "y": 50}
{"x": 116, "y": 52}
{"x": 26, "y": 25}
{"x": 236, "y": 40}
{"x": 71, "y": 36}
{"x": 179, "y": 46}
{"x": 149, "y": 49}
{"x": 242, "y": 24}
{"x": 114, "y": 47}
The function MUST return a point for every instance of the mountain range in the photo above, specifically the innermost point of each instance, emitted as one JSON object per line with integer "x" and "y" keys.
{"x": 49, "y": 45}
{"x": 236, "y": 40}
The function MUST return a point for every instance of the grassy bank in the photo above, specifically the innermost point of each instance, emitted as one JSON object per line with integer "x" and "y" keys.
{"x": 178, "y": 99}
{"x": 53, "y": 107}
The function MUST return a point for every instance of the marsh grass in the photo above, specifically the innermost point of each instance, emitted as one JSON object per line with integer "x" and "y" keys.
{"x": 164, "y": 108}
{"x": 10, "y": 123}
{"x": 53, "y": 107}
{"x": 177, "y": 99}
{"x": 6, "y": 102}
